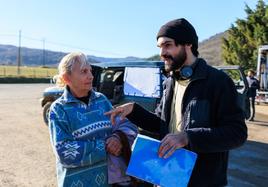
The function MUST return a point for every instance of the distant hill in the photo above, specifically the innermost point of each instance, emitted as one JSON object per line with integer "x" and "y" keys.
{"x": 29, "y": 57}
{"x": 209, "y": 49}
{"x": 104, "y": 59}
{"x": 35, "y": 57}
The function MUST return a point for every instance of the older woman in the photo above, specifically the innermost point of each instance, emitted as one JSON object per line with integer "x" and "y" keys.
{"x": 81, "y": 134}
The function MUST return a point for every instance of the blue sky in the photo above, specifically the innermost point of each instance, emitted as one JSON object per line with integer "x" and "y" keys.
{"x": 110, "y": 28}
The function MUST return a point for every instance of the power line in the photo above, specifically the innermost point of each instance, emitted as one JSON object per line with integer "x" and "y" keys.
{"x": 82, "y": 48}
{"x": 31, "y": 38}
{"x": 65, "y": 45}
{"x": 8, "y": 35}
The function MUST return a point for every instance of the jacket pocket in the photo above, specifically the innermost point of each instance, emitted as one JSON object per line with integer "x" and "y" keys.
{"x": 198, "y": 114}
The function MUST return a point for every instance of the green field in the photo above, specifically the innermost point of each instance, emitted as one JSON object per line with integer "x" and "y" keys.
{"x": 29, "y": 72}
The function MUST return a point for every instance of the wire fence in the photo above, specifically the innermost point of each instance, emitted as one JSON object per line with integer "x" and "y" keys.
{"x": 32, "y": 72}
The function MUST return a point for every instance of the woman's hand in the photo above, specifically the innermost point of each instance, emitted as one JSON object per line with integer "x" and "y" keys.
{"x": 113, "y": 146}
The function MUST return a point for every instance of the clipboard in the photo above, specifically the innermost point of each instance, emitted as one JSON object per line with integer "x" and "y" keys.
{"x": 145, "y": 164}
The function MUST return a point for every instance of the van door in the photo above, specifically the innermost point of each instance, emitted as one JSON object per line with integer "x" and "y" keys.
{"x": 241, "y": 84}
{"x": 96, "y": 72}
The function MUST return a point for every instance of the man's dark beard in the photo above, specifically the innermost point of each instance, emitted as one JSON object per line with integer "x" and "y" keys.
{"x": 177, "y": 61}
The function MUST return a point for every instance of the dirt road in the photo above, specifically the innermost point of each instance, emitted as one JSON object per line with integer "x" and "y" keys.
{"x": 26, "y": 158}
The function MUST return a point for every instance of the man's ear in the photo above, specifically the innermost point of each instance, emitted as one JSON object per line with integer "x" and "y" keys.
{"x": 188, "y": 45}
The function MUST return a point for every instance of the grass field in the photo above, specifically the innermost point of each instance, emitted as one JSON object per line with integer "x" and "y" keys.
{"x": 32, "y": 72}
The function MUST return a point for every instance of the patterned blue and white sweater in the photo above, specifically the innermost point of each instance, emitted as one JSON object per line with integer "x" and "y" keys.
{"x": 78, "y": 133}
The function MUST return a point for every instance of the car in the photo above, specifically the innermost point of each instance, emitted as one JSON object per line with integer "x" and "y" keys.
{"x": 121, "y": 82}
{"x": 140, "y": 82}
{"x": 236, "y": 73}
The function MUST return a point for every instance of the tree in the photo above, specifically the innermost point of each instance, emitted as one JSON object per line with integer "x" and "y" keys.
{"x": 243, "y": 39}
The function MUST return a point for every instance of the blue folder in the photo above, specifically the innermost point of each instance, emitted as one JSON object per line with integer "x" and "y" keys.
{"x": 146, "y": 165}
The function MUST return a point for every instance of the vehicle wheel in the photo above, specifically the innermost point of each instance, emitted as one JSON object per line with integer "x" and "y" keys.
{"x": 46, "y": 110}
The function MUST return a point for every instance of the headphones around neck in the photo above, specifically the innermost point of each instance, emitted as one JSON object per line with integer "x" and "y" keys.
{"x": 184, "y": 73}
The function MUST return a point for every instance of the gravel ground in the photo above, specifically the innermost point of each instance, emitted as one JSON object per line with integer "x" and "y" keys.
{"x": 26, "y": 157}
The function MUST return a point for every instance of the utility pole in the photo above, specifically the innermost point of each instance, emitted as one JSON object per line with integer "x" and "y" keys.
{"x": 44, "y": 52}
{"x": 19, "y": 55}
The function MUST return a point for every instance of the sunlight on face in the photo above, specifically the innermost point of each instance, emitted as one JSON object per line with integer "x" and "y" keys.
{"x": 80, "y": 79}
{"x": 173, "y": 55}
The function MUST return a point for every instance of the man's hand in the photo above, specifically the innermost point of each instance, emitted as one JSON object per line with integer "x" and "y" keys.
{"x": 113, "y": 146}
{"x": 171, "y": 142}
{"x": 122, "y": 111}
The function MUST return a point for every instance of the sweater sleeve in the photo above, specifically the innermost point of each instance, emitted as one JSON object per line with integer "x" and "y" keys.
{"x": 72, "y": 153}
{"x": 128, "y": 128}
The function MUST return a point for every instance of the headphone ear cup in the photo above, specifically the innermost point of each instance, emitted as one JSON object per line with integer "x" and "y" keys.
{"x": 186, "y": 72}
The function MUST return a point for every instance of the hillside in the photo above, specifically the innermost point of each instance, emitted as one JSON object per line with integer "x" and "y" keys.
{"x": 29, "y": 57}
{"x": 35, "y": 57}
{"x": 209, "y": 49}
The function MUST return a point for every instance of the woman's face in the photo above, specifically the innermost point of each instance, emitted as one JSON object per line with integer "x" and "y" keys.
{"x": 80, "y": 80}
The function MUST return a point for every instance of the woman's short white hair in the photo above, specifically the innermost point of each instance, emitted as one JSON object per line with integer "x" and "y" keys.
{"x": 66, "y": 65}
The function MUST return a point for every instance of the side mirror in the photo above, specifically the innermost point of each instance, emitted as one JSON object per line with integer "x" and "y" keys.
{"x": 54, "y": 80}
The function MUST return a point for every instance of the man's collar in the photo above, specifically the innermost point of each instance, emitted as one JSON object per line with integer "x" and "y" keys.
{"x": 199, "y": 69}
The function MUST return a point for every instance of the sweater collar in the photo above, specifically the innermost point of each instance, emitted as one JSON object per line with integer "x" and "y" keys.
{"x": 69, "y": 98}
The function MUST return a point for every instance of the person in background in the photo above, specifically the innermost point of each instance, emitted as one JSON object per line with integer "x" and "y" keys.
{"x": 198, "y": 111}
{"x": 254, "y": 85}
{"x": 263, "y": 71}
{"x": 81, "y": 135}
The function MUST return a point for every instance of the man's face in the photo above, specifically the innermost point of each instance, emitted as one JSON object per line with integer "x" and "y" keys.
{"x": 80, "y": 80}
{"x": 173, "y": 55}
{"x": 250, "y": 74}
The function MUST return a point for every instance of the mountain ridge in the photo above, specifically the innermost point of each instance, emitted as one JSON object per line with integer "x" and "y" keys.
{"x": 209, "y": 49}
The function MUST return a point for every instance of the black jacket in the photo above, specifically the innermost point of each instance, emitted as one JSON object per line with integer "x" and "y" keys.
{"x": 254, "y": 85}
{"x": 211, "y": 117}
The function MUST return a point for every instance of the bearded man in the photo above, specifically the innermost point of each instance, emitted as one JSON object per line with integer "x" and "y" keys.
{"x": 199, "y": 109}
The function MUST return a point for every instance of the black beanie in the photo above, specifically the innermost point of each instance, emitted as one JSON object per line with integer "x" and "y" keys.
{"x": 180, "y": 30}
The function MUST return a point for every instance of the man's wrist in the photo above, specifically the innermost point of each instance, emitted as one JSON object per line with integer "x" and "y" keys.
{"x": 185, "y": 138}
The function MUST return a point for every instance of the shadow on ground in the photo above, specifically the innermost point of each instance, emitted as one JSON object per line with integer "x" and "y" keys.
{"x": 248, "y": 165}
{"x": 259, "y": 122}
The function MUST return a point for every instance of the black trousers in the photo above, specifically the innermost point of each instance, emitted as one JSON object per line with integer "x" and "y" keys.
{"x": 252, "y": 108}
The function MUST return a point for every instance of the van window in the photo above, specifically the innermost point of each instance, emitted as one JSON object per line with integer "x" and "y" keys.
{"x": 144, "y": 82}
